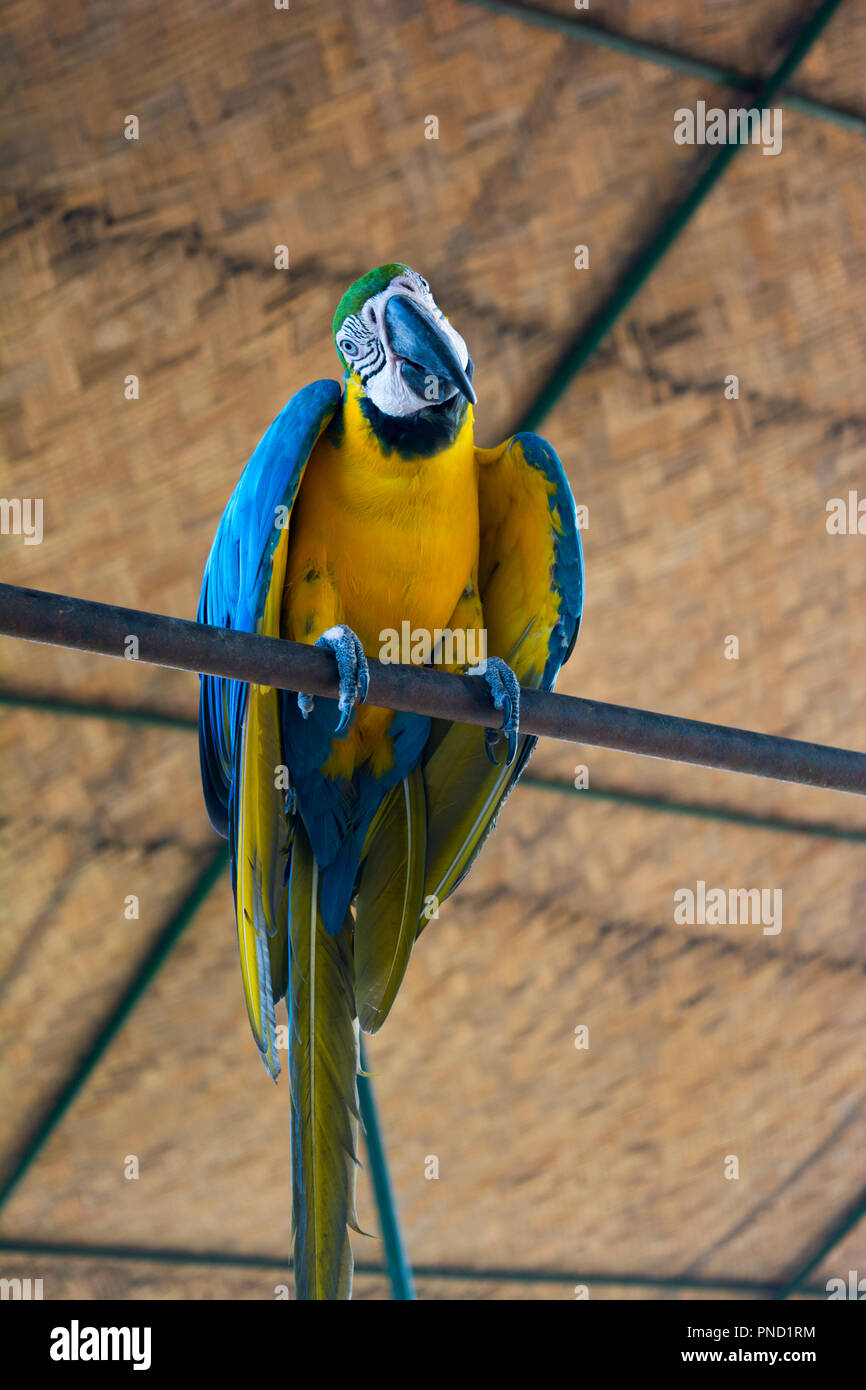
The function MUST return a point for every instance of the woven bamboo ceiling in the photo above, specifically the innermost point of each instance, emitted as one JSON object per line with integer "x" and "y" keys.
{"x": 305, "y": 127}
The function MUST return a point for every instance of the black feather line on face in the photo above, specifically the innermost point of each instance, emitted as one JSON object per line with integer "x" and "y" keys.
{"x": 372, "y": 364}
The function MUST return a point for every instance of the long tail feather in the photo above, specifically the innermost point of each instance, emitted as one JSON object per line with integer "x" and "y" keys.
{"x": 323, "y": 1066}
{"x": 389, "y": 899}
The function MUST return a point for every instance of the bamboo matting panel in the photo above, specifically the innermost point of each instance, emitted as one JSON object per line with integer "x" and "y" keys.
{"x": 707, "y": 517}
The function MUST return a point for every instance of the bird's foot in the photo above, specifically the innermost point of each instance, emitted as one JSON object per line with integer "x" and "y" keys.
{"x": 505, "y": 689}
{"x": 353, "y": 671}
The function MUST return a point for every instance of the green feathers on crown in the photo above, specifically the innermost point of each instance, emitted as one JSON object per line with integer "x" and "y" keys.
{"x": 357, "y": 295}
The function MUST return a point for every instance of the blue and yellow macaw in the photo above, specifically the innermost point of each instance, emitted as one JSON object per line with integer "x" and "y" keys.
{"x": 362, "y": 509}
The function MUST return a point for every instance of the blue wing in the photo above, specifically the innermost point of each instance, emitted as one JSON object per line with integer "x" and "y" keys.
{"x": 240, "y": 743}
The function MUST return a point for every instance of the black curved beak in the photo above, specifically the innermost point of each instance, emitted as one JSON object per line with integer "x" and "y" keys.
{"x": 415, "y": 336}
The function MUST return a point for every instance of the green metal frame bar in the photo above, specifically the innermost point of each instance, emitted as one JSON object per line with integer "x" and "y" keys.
{"x": 147, "y": 971}
{"x": 640, "y": 269}
{"x": 654, "y": 251}
{"x": 14, "y": 699}
{"x": 697, "y": 810}
{"x": 847, "y": 1222}
{"x": 399, "y": 1269}
{"x": 231, "y": 1259}
{"x": 588, "y": 31}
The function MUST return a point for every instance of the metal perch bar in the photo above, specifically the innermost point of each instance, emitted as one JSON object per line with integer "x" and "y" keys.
{"x": 56, "y": 619}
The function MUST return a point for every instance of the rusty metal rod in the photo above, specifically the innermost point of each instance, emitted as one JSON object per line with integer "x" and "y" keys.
{"x": 61, "y": 621}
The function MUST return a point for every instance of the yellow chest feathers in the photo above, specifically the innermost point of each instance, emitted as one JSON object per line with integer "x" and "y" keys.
{"x": 375, "y": 539}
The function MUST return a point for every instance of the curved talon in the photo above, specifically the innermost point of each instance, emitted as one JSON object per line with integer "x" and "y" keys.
{"x": 353, "y": 671}
{"x": 491, "y": 738}
{"x": 505, "y": 689}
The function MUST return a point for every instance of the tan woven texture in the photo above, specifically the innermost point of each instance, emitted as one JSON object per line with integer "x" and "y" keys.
{"x": 155, "y": 258}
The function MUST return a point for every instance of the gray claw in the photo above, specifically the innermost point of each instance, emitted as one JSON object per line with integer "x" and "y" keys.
{"x": 353, "y": 671}
{"x": 505, "y": 689}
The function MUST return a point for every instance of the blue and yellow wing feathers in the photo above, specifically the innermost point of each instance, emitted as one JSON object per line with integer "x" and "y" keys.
{"x": 531, "y": 583}
{"x": 240, "y": 733}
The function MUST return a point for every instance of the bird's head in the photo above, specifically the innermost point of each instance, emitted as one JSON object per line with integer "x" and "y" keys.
{"x": 393, "y": 337}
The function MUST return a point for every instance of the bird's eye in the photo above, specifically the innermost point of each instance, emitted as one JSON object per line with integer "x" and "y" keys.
{"x": 348, "y": 348}
{"x": 425, "y": 287}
